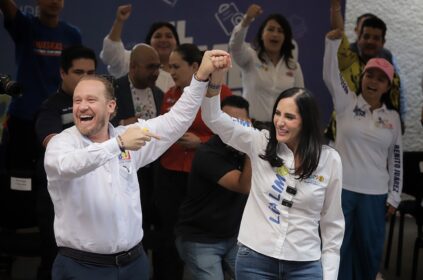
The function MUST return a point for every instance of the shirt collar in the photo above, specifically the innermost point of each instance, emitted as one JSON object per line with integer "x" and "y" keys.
{"x": 362, "y": 103}
{"x": 87, "y": 141}
{"x": 285, "y": 152}
{"x": 287, "y": 155}
{"x": 382, "y": 109}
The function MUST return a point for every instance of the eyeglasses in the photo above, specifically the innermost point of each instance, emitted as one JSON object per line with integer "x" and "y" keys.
{"x": 292, "y": 191}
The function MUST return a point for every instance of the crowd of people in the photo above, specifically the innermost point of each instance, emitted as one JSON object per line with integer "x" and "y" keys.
{"x": 159, "y": 165}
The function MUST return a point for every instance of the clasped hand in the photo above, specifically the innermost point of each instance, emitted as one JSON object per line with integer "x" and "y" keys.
{"x": 214, "y": 60}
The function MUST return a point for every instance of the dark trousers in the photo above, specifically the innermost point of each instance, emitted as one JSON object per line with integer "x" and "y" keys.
{"x": 170, "y": 191}
{"x": 362, "y": 247}
{"x": 45, "y": 217}
{"x": 149, "y": 214}
{"x": 20, "y": 148}
{"x": 68, "y": 268}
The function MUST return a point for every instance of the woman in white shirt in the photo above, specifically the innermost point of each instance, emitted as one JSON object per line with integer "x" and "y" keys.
{"x": 369, "y": 143}
{"x": 270, "y": 66}
{"x": 162, "y": 36}
{"x": 295, "y": 188}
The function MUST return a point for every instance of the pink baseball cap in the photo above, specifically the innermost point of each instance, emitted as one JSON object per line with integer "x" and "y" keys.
{"x": 382, "y": 64}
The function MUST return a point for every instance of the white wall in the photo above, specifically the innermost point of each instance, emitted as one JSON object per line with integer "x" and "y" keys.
{"x": 404, "y": 20}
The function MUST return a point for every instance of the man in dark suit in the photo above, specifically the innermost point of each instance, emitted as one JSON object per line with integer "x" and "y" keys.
{"x": 136, "y": 93}
{"x": 138, "y": 97}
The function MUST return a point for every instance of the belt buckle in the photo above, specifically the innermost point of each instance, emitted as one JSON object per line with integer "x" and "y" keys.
{"x": 121, "y": 259}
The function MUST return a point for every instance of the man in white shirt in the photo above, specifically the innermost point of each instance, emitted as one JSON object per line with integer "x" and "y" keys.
{"x": 91, "y": 171}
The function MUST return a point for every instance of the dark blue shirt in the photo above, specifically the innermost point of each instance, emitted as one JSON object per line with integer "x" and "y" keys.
{"x": 37, "y": 52}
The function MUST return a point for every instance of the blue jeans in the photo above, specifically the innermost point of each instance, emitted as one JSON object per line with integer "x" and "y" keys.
{"x": 251, "y": 265}
{"x": 362, "y": 247}
{"x": 68, "y": 268}
{"x": 207, "y": 261}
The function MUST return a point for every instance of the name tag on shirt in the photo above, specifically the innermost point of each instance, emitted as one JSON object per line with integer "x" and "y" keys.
{"x": 20, "y": 184}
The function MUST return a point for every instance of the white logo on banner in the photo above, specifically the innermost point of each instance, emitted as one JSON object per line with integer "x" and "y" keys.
{"x": 30, "y": 9}
{"x": 171, "y": 2}
{"x": 228, "y": 16}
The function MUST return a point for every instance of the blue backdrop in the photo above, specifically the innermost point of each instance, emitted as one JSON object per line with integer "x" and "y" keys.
{"x": 205, "y": 23}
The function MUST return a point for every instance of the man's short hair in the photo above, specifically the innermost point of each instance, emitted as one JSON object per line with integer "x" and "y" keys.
{"x": 374, "y": 22}
{"x": 76, "y": 52}
{"x": 110, "y": 91}
{"x": 365, "y": 15}
{"x": 236, "y": 101}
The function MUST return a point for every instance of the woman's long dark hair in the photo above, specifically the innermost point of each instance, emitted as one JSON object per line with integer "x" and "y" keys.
{"x": 310, "y": 137}
{"x": 287, "y": 46}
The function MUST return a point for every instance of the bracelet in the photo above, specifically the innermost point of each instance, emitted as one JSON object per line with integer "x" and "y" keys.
{"x": 120, "y": 143}
{"x": 214, "y": 86}
{"x": 195, "y": 77}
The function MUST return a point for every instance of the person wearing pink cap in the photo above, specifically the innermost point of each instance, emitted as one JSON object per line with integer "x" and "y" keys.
{"x": 353, "y": 57}
{"x": 369, "y": 142}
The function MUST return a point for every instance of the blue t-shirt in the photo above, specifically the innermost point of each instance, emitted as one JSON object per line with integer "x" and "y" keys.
{"x": 37, "y": 52}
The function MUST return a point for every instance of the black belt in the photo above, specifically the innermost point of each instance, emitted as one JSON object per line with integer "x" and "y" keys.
{"x": 118, "y": 259}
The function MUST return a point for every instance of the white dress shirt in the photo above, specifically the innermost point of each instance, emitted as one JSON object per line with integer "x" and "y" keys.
{"x": 116, "y": 57}
{"x": 94, "y": 187}
{"x": 262, "y": 82}
{"x": 369, "y": 142}
{"x": 267, "y": 226}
